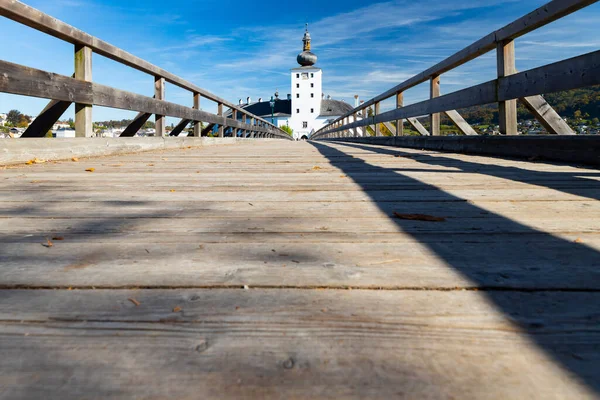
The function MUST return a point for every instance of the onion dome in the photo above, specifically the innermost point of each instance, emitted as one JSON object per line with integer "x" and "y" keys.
{"x": 307, "y": 58}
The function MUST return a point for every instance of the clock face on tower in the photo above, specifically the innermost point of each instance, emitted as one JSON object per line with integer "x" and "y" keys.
{"x": 305, "y": 76}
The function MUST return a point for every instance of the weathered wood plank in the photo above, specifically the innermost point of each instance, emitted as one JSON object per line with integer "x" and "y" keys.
{"x": 263, "y": 344}
{"x": 541, "y": 264}
{"x": 545, "y": 114}
{"x": 460, "y": 123}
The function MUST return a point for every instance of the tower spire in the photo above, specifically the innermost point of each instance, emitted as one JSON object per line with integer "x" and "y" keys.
{"x": 306, "y": 58}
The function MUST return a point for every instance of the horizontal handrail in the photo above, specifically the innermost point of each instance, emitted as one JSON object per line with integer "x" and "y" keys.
{"x": 31, "y": 17}
{"x": 542, "y": 16}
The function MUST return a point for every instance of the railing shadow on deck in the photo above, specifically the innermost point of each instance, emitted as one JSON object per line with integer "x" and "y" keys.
{"x": 498, "y": 269}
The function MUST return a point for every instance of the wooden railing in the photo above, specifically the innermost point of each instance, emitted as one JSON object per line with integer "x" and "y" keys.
{"x": 527, "y": 86}
{"x": 81, "y": 90}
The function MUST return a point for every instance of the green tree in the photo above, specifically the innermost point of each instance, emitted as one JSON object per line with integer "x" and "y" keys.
{"x": 288, "y": 130}
{"x": 14, "y": 117}
{"x": 577, "y": 114}
{"x": 596, "y": 121}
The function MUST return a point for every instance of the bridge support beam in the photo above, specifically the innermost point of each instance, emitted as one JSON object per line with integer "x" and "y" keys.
{"x": 547, "y": 116}
{"x": 505, "y": 53}
{"x": 418, "y": 126}
{"x": 159, "y": 94}
{"x": 460, "y": 123}
{"x": 47, "y": 118}
{"x": 83, "y": 72}
{"x": 178, "y": 130}
{"x": 435, "y": 118}
{"x": 136, "y": 125}
{"x": 197, "y": 124}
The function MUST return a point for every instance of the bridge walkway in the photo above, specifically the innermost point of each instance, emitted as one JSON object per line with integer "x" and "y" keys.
{"x": 279, "y": 269}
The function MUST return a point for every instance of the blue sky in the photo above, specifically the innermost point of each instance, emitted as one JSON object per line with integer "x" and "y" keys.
{"x": 237, "y": 49}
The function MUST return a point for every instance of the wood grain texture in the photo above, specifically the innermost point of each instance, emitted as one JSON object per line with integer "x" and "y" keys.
{"x": 276, "y": 269}
{"x": 300, "y": 344}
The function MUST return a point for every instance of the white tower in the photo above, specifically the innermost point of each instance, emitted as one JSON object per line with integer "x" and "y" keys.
{"x": 307, "y": 89}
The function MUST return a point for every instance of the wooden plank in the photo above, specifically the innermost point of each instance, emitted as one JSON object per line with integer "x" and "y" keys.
{"x": 545, "y": 114}
{"x": 231, "y": 344}
{"x": 83, "y": 72}
{"x": 461, "y": 123}
{"x": 429, "y": 262}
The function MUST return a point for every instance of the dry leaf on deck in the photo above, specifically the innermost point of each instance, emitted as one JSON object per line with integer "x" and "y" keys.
{"x": 58, "y": 238}
{"x": 90, "y": 170}
{"x": 317, "y": 168}
{"x": 134, "y": 301}
{"x": 419, "y": 217}
{"x": 579, "y": 240}
{"x": 75, "y": 159}
{"x": 177, "y": 309}
{"x": 48, "y": 243}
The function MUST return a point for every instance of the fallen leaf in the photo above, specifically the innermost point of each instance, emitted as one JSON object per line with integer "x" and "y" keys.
{"x": 579, "y": 240}
{"x": 35, "y": 161}
{"x": 317, "y": 168}
{"x": 90, "y": 170}
{"x": 48, "y": 243}
{"x": 151, "y": 165}
{"x": 172, "y": 190}
{"x": 75, "y": 159}
{"x": 134, "y": 301}
{"x": 177, "y": 309}
{"x": 419, "y": 217}
{"x": 58, "y": 238}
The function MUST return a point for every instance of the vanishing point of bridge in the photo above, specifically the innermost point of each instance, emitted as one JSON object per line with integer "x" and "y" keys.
{"x": 349, "y": 266}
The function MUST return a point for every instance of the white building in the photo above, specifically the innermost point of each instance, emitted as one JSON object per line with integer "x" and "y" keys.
{"x": 3, "y": 118}
{"x": 306, "y": 110}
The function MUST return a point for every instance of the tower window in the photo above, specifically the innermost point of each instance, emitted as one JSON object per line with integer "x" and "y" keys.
{"x": 298, "y": 76}
{"x": 312, "y": 85}
{"x": 297, "y": 86}
{"x": 305, "y": 124}
{"x": 312, "y": 95}
{"x": 312, "y": 75}
{"x": 312, "y": 110}
{"x": 297, "y": 95}
{"x": 297, "y": 111}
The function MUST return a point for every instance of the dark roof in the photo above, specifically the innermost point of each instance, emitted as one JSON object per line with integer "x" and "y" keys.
{"x": 334, "y": 108}
{"x": 283, "y": 108}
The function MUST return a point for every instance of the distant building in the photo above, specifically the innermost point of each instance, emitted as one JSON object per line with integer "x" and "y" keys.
{"x": 306, "y": 110}
{"x": 3, "y": 118}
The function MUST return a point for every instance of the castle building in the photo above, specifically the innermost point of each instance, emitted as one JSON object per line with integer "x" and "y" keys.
{"x": 306, "y": 110}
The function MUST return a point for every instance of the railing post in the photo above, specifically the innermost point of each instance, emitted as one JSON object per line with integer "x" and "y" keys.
{"x": 221, "y": 126}
{"x": 197, "y": 124}
{"x": 400, "y": 122}
{"x": 234, "y": 131}
{"x": 376, "y": 113}
{"x": 253, "y": 132}
{"x": 159, "y": 94}
{"x": 83, "y": 71}
{"x": 355, "y": 128}
{"x": 244, "y": 121}
{"x": 434, "y": 118}
{"x": 507, "y": 109}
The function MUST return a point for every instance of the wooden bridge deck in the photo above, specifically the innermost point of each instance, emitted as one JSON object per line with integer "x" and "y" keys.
{"x": 278, "y": 270}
